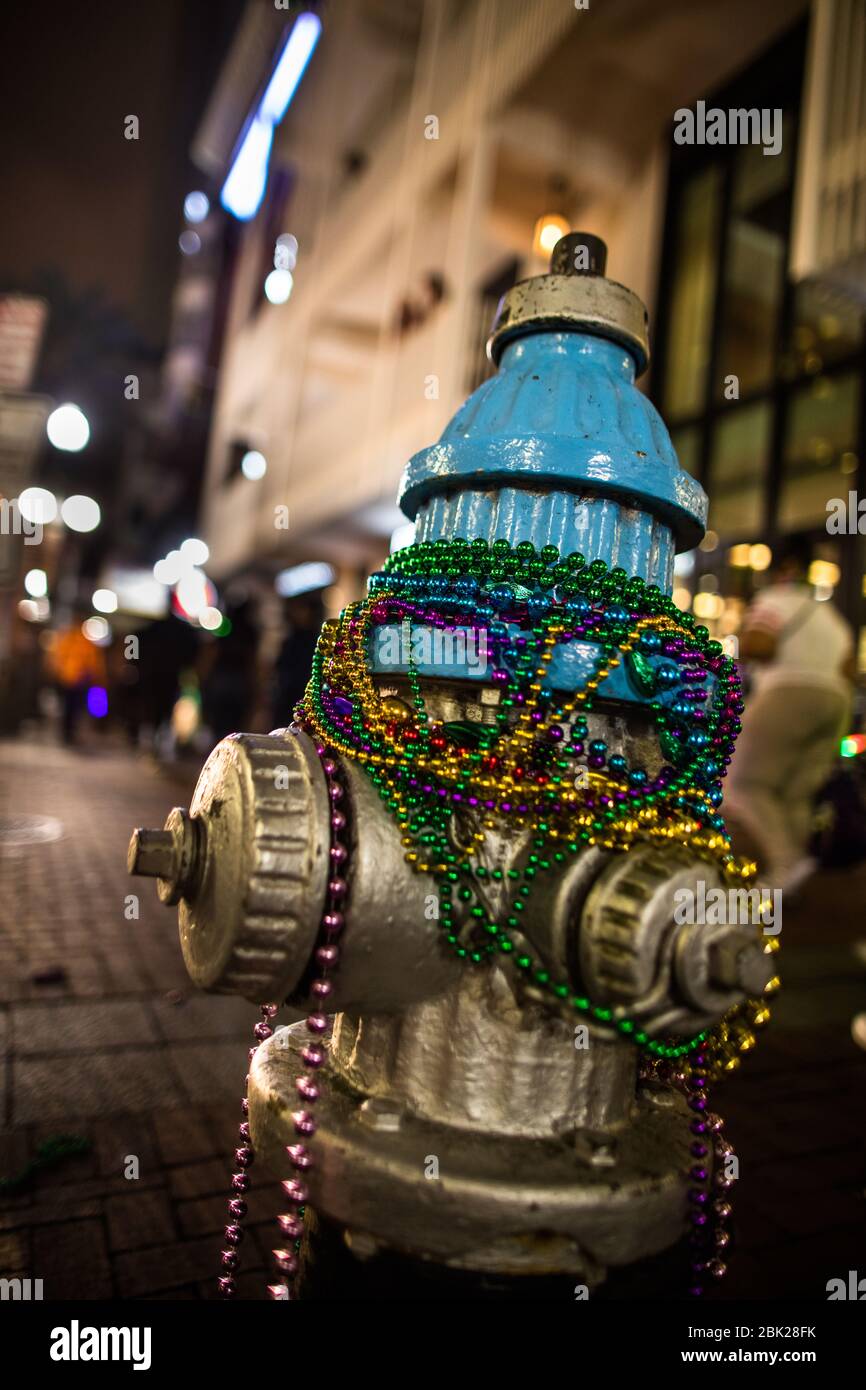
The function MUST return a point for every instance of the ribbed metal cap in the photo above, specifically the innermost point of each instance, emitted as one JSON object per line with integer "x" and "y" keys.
{"x": 575, "y": 297}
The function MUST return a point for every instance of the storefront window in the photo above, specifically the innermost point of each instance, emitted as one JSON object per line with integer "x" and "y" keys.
{"x": 826, "y": 327}
{"x": 763, "y": 381}
{"x": 754, "y": 273}
{"x": 738, "y": 466}
{"x": 820, "y": 449}
{"x": 691, "y": 309}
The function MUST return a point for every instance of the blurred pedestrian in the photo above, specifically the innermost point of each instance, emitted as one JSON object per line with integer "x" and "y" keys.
{"x": 228, "y": 684}
{"x": 294, "y": 661}
{"x": 801, "y": 653}
{"x": 74, "y": 663}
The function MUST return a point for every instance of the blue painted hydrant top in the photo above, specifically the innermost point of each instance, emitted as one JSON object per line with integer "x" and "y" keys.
{"x": 560, "y": 447}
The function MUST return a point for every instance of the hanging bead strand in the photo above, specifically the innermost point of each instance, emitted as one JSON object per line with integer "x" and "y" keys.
{"x": 326, "y": 959}
{"x": 241, "y": 1181}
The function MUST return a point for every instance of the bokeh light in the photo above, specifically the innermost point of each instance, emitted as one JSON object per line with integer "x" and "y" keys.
{"x": 194, "y": 551}
{"x": 80, "y": 513}
{"x": 105, "y": 601}
{"x": 37, "y": 505}
{"x": 254, "y": 465}
{"x": 36, "y": 583}
{"x": 278, "y": 286}
{"x": 196, "y": 206}
{"x": 189, "y": 242}
{"x": 96, "y": 630}
{"x": 97, "y": 701}
{"x": 67, "y": 428}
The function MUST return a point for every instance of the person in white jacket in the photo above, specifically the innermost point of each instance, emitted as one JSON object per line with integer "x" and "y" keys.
{"x": 801, "y": 653}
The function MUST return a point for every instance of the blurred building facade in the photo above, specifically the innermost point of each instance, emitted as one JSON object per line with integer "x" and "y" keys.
{"x": 427, "y": 145}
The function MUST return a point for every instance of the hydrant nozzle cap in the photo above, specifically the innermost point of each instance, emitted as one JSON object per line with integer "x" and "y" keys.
{"x": 578, "y": 253}
{"x": 574, "y": 297}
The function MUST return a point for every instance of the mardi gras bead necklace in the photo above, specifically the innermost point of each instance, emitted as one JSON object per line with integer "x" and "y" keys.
{"x": 533, "y": 769}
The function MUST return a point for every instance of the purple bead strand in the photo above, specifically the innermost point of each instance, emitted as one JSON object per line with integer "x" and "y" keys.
{"x": 326, "y": 957}
{"x": 241, "y": 1180}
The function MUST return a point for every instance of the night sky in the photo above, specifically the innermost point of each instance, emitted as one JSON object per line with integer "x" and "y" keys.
{"x": 82, "y": 206}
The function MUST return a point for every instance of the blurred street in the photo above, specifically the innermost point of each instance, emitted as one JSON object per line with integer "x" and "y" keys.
{"x": 113, "y": 1045}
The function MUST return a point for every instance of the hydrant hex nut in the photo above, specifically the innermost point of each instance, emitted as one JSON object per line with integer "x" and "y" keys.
{"x": 170, "y": 855}
{"x": 741, "y": 963}
{"x": 150, "y": 853}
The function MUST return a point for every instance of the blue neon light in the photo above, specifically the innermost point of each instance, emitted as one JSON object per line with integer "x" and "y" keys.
{"x": 291, "y": 67}
{"x": 244, "y": 187}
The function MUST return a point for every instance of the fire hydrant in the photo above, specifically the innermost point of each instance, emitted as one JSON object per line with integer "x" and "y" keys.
{"x": 467, "y": 848}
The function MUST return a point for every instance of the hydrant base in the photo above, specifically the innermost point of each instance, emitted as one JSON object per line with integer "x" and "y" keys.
{"x": 472, "y": 1200}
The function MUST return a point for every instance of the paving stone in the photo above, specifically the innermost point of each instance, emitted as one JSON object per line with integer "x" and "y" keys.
{"x": 15, "y": 1151}
{"x": 182, "y": 1134}
{"x": 71, "y": 1258}
{"x": 167, "y": 1266}
{"x": 209, "y": 1072}
{"x": 119, "y": 1137}
{"x": 67, "y": 1088}
{"x": 63, "y": 1205}
{"x": 205, "y": 1016}
{"x": 139, "y": 1219}
{"x": 200, "y": 1179}
{"x": 224, "y": 1120}
{"x": 14, "y": 1251}
{"x": 75, "y": 1026}
{"x": 202, "y": 1214}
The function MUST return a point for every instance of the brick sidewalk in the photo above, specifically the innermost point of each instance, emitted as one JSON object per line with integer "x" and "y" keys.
{"x": 121, "y": 1052}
